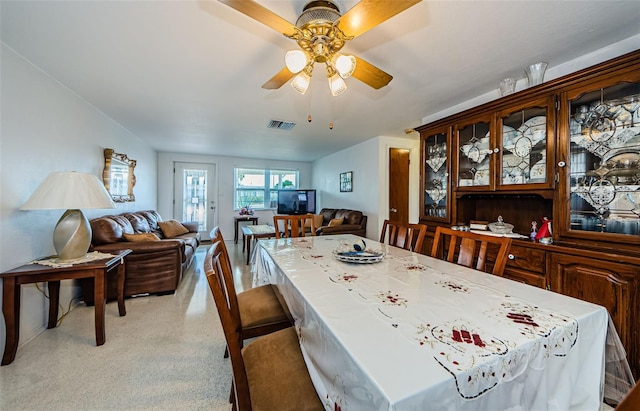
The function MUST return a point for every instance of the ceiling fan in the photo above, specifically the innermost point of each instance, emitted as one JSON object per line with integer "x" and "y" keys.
{"x": 321, "y": 32}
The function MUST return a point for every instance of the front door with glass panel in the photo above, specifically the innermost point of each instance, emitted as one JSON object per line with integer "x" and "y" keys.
{"x": 194, "y": 198}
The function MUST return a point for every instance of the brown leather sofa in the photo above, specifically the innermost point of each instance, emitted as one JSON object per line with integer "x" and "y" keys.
{"x": 354, "y": 222}
{"x": 154, "y": 267}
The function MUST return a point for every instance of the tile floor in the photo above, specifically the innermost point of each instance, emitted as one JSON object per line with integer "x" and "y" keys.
{"x": 165, "y": 354}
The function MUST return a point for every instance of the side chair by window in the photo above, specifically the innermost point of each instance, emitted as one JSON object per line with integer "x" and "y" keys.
{"x": 269, "y": 373}
{"x": 288, "y": 226}
{"x": 404, "y": 235}
{"x": 470, "y": 249}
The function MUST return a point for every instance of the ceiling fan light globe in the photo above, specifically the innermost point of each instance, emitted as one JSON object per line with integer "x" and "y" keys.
{"x": 337, "y": 85}
{"x": 300, "y": 83}
{"x": 296, "y": 60}
{"x": 345, "y": 65}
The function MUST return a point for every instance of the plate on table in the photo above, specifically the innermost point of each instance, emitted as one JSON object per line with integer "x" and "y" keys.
{"x": 359, "y": 257}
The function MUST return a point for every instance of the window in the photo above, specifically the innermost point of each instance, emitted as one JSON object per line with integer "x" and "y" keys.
{"x": 258, "y": 188}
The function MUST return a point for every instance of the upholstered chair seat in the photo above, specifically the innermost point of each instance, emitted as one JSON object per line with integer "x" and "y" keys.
{"x": 276, "y": 357}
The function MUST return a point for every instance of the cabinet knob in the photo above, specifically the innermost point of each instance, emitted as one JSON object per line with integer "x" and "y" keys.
{"x": 511, "y": 257}
{"x": 561, "y": 164}
{"x": 496, "y": 150}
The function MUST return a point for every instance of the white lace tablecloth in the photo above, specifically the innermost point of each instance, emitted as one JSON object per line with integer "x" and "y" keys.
{"x": 416, "y": 333}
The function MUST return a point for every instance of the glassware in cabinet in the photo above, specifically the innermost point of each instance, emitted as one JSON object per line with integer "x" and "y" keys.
{"x": 604, "y": 159}
{"x": 436, "y": 170}
{"x": 474, "y": 154}
{"x": 527, "y": 145}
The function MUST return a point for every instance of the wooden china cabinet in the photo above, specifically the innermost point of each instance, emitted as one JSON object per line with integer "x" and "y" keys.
{"x": 567, "y": 150}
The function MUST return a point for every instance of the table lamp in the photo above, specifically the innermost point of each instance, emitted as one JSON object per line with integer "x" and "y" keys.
{"x": 71, "y": 191}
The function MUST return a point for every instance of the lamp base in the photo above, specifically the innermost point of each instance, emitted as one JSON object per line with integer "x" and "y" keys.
{"x": 72, "y": 235}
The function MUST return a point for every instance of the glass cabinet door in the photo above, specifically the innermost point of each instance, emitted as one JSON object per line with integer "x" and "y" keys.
{"x": 604, "y": 160}
{"x": 525, "y": 142}
{"x": 435, "y": 175}
{"x": 474, "y": 154}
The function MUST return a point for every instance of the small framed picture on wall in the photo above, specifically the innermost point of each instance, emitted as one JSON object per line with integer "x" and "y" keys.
{"x": 346, "y": 182}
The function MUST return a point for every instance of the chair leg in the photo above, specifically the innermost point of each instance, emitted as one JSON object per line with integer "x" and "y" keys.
{"x": 232, "y": 396}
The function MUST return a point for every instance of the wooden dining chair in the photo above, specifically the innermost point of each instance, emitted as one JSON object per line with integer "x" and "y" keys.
{"x": 260, "y": 309}
{"x": 470, "y": 249}
{"x": 288, "y": 226}
{"x": 631, "y": 401}
{"x": 270, "y": 372}
{"x": 404, "y": 235}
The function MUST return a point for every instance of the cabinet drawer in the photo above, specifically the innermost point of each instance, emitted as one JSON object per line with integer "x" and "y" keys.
{"x": 527, "y": 277}
{"x": 525, "y": 258}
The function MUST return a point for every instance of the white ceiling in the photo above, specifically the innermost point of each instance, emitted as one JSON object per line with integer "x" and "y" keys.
{"x": 186, "y": 76}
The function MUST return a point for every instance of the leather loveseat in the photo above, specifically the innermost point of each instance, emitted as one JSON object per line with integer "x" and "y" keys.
{"x": 157, "y": 262}
{"x": 353, "y": 222}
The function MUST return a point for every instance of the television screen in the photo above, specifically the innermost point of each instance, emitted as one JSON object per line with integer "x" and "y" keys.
{"x": 296, "y": 201}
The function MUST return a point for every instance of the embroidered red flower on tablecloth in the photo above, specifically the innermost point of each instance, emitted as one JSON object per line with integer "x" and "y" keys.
{"x": 454, "y": 286}
{"x": 390, "y": 298}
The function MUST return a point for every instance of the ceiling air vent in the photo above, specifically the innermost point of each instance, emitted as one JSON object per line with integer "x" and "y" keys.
{"x": 281, "y": 125}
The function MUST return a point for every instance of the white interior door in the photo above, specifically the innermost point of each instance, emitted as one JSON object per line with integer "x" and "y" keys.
{"x": 195, "y": 195}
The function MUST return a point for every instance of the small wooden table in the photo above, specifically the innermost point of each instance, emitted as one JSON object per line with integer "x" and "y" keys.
{"x": 242, "y": 218}
{"x": 35, "y": 273}
{"x": 251, "y": 232}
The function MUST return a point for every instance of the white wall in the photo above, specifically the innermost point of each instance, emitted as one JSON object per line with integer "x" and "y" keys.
{"x": 588, "y": 60}
{"x": 224, "y": 169}
{"x": 369, "y": 162}
{"x": 46, "y": 127}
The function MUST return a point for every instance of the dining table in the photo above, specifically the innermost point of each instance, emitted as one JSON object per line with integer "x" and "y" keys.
{"x": 404, "y": 331}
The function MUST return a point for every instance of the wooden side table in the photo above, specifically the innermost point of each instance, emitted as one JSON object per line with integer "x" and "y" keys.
{"x": 35, "y": 273}
{"x": 242, "y": 218}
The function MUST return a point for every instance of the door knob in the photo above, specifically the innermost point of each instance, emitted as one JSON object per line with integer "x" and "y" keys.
{"x": 393, "y": 210}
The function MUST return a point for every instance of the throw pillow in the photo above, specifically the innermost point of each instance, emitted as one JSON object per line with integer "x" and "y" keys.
{"x": 317, "y": 221}
{"x": 172, "y": 228}
{"x": 336, "y": 221}
{"x": 141, "y": 237}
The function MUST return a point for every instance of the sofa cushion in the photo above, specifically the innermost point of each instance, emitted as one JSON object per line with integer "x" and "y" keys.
{"x": 172, "y": 228}
{"x": 327, "y": 215}
{"x": 317, "y": 221}
{"x": 152, "y": 218}
{"x": 109, "y": 229}
{"x": 141, "y": 237}
{"x": 138, "y": 222}
{"x": 350, "y": 216}
{"x": 336, "y": 221}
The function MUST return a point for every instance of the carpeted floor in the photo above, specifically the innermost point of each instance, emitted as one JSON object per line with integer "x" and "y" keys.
{"x": 165, "y": 354}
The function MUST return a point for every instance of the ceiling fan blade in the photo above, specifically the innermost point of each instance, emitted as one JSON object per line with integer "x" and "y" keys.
{"x": 369, "y": 13}
{"x": 370, "y": 74}
{"x": 262, "y": 14}
{"x": 279, "y": 79}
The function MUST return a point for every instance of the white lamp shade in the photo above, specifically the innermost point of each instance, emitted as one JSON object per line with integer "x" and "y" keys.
{"x": 345, "y": 65}
{"x": 72, "y": 191}
{"x": 300, "y": 83}
{"x": 69, "y": 190}
{"x": 296, "y": 60}
{"x": 337, "y": 85}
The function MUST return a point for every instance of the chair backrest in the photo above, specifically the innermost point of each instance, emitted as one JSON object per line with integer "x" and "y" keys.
{"x": 404, "y": 235}
{"x": 288, "y": 226}
{"x": 470, "y": 249}
{"x": 215, "y": 234}
{"x": 217, "y": 273}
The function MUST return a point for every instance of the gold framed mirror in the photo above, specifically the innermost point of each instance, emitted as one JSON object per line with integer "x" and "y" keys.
{"x": 118, "y": 176}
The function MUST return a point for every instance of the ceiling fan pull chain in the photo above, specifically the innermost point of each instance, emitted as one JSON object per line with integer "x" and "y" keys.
{"x": 331, "y": 114}
{"x": 309, "y": 108}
